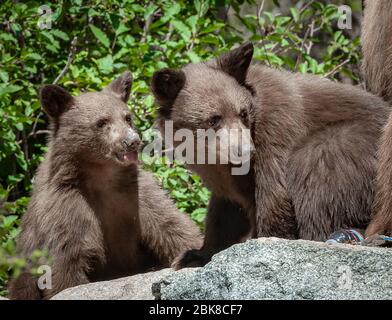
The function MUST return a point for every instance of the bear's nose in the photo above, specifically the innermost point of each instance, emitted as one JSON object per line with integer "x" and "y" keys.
{"x": 132, "y": 141}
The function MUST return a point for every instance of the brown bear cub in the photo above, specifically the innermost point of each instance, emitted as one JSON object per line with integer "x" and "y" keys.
{"x": 315, "y": 147}
{"x": 377, "y": 67}
{"x": 93, "y": 209}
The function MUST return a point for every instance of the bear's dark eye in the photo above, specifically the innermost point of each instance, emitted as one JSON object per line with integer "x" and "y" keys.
{"x": 102, "y": 122}
{"x": 244, "y": 115}
{"x": 128, "y": 118}
{"x": 214, "y": 120}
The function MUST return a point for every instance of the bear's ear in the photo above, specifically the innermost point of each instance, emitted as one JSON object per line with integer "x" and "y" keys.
{"x": 165, "y": 85}
{"x": 55, "y": 100}
{"x": 236, "y": 62}
{"x": 121, "y": 87}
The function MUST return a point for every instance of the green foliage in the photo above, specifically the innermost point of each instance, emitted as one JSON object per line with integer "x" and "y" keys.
{"x": 186, "y": 188}
{"x": 92, "y": 41}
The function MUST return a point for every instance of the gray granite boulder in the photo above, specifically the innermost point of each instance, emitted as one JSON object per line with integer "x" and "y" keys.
{"x": 270, "y": 268}
{"x": 137, "y": 287}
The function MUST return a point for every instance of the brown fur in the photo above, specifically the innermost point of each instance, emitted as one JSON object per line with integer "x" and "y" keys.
{"x": 377, "y": 47}
{"x": 99, "y": 218}
{"x": 377, "y": 67}
{"x": 315, "y": 146}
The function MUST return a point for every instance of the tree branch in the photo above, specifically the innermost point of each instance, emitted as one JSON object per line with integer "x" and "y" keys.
{"x": 336, "y": 69}
{"x": 71, "y": 56}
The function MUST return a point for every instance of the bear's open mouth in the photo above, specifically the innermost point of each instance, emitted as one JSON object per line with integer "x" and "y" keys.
{"x": 128, "y": 158}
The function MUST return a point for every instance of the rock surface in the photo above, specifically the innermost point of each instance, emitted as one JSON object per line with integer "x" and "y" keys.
{"x": 2, "y": 298}
{"x": 137, "y": 287}
{"x": 266, "y": 268}
{"x": 270, "y": 268}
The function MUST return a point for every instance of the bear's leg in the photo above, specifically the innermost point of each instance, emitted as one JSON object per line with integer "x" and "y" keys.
{"x": 227, "y": 224}
{"x": 164, "y": 229}
{"x": 67, "y": 272}
{"x": 330, "y": 180}
{"x": 25, "y": 287}
{"x": 72, "y": 236}
{"x": 381, "y": 224}
{"x": 382, "y": 220}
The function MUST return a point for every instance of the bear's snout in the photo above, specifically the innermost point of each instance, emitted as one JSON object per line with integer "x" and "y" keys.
{"x": 131, "y": 141}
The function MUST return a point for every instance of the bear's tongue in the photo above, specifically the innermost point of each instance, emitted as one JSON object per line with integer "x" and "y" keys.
{"x": 130, "y": 157}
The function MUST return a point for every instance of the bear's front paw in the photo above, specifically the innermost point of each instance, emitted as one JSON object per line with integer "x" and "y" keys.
{"x": 378, "y": 240}
{"x": 377, "y": 228}
{"x": 191, "y": 259}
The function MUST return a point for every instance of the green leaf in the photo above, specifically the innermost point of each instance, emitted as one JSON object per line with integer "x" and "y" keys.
{"x": 303, "y": 67}
{"x": 105, "y": 65}
{"x": 121, "y": 29}
{"x": 193, "y": 57}
{"x": 172, "y": 10}
{"x": 9, "y": 221}
{"x": 4, "y": 76}
{"x": 183, "y": 29}
{"x": 295, "y": 13}
{"x": 33, "y": 56}
{"x": 199, "y": 214}
{"x": 192, "y": 21}
{"x": 60, "y": 34}
{"x": 100, "y": 35}
{"x": 149, "y": 11}
{"x": 4, "y": 89}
